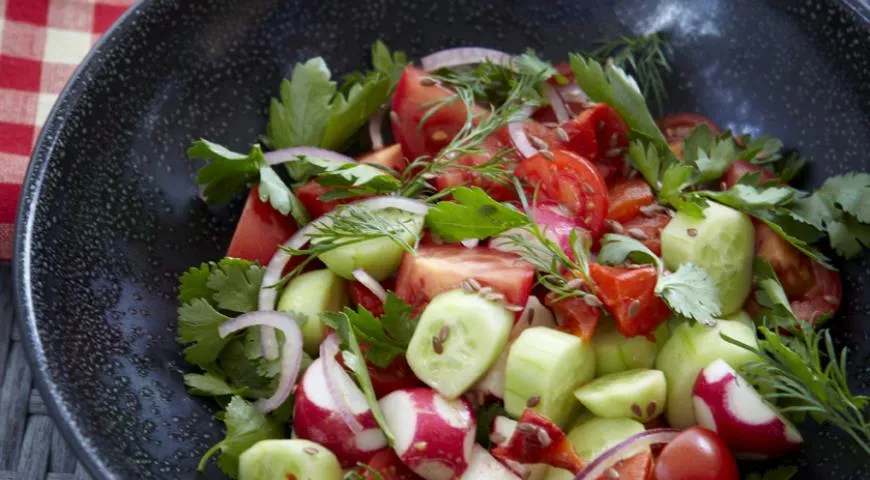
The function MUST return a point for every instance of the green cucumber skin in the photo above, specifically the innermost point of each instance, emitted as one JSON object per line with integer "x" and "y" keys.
{"x": 592, "y": 436}
{"x": 723, "y": 244}
{"x": 311, "y": 294}
{"x": 379, "y": 257}
{"x": 548, "y": 364}
{"x": 477, "y": 333}
{"x": 278, "y": 459}
{"x": 614, "y": 352}
{"x": 693, "y": 347}
{"x": 639, "y": 394}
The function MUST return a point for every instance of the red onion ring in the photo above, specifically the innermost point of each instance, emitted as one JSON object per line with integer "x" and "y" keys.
{"x": 470, "y": 242}
{"x": 375, "y": 134}
{"x": 455, "y": 57}
{"x": 517, "y": 132}
{"x": 328, "y": 350}
{"x": 291, "y": 355}
{"x": 370, "y": 283}
{"x": 535, "y": 314}
{"x": 289, "y": 154}
{"x": 556, "y": 103}
{"x": 624, "y": 449}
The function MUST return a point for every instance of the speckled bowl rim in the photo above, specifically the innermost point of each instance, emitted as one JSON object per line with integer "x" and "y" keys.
{"x": 24, "y": 227}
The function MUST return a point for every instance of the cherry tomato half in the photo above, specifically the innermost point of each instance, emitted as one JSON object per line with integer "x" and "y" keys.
{"x": 570, "y": 181}
{"x": 822, "y": 299}
{"x": 599, "y": 134}
{"x": 676, "y": 127}
{"x": 696, "y": 454}
{"x": 629, "y": 295}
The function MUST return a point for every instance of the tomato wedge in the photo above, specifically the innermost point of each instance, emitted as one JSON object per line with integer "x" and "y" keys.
{"x": 676, "y": 127}
{"x": 627, "y": 198}
{"x": 648, "y": 230}
{"x": 696, "y": 454}
{"x": 526, "y": 446}
{"x": 637, "y": 467}
{"x": 739, "y": 168}
{"x": 574, "y": 315}
{"x": 599, "y": 134}
{"x": 388, "y": 157}
{"x": 629, "y": 295}
{"x": 458, "y": 177}
{"x": 260, "y": 230}
{"x": 389, "y": 467}
{"x": 440, "y": 268}
{"x": 822, "y": 299}
{"x": 361, "y": 296}
{"x": 572, "y": 182}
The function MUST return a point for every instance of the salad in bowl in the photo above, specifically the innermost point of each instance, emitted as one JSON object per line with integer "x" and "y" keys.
{"x": 528, "y": 277}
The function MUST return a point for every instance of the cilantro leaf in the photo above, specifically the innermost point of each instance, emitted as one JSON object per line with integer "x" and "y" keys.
{"x": 349, "y": 113}
{"x": 713, "y": 161}
{"x": 775, "y": 309}
{"x": 236, "y": 285}
{"x": 388, "y": 336}
{"x": 256, "y": 375}
{"x": 273, "y": 190}
{"x": 208, "y": 384}
{"x": 228, "y": 172}
{"x": 351, "y": 178}
{"x": 390, "y": 64}
{"x": 473, "y": 214}
{"x": 785, "y": 472}
{"x": 245, "y": 427}
{"x": 747, "y": 197}
{"x": 193, "y": 283}
{"x": 198, "y": 324}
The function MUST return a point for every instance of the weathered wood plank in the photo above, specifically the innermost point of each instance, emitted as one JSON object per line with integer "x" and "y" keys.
{"x": 33, "y": 459}
{"x": 35, "y": 405}
{"x": 50, "y": 476}
{"x": 14, "y": 394}
{"x": 62, "y": 458}
{"x": 7, "y": 319}
{"x": 82, "y": 473}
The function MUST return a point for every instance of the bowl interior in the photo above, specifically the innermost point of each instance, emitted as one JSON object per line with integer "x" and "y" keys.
{"x": 110, "y": 216}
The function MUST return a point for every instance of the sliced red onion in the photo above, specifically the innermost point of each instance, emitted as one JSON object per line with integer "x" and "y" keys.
{"x": 517, "y": 132}
{"x": 375, "y": 133}
{"x": 289, "y": 154}
{"x": 628, "y": 447}
{"x": 556, "y": 103}
{"x": 328, "y": 350}
{"x": 535, "y": 314}
{"x": 291, "y": 356}
{"x": 470, "y": 242}
{"x": 572, "y": 93}
{"x": 369, "y": 282}
{"x": 399, "y": 203}
{"x": 455, "y": 57}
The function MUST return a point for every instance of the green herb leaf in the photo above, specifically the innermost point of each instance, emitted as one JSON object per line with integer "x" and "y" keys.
{"x": 473, "y": 214}
{"x": 194, "y": 283}
{"x": 228, "y": 173}
{"x": 236, "y": 285}
{"x": 388, "y": 336}
{"x": 349, "y": 113}
{"x": 390, "y": 64}
{"x": 351, "y": 178}
{"x": 198, "y": 324}
{"x": 245, "y": 427}
{"x": 647, "y": 161}
{"x": 842, "y": 209}
{"x": 747, "y": 198}
{"x": 302, "y": 113}
{"x": 208, "y": 384}
{"x": 486, "y": 414}
{"x": 786, "y": 472}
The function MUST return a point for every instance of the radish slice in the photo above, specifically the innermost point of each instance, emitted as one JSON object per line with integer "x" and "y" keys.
{"x": 624, "y": 449}
{"x": 291, "y": 358}
{"x": 375, "y": 134}
{"x": 289, "y": 154}
{"x": 456, "y": 57}
{"x": 328, "y": 350}
{"x": 556, "y": 103}
{"x": 369, "y": 282}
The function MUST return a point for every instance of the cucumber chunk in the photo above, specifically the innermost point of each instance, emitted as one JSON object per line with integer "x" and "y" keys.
{"x": 722, "y": 243}
{"x": 458, "y": 338}
{"x": 614, "y": 352}
{"x": 549, "y": 365}
{"x": 311, "y": 294}
{"x": 693, "y": 347}
{"x": 639, "y": 394}
{"x": 592, "y": 436}
{"x": 283, "y": 459}
{"x": 379, "y": 257}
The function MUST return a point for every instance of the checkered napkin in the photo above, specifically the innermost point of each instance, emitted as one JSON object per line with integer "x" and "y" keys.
{"x": 41, "y": 43}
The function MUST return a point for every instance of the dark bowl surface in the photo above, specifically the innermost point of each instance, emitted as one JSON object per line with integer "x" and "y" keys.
{"x": 110, "y": 217}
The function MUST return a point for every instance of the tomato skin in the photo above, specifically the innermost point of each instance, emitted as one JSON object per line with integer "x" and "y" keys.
{"x": 389, "y": 157}
{"x": 822, "y": 299}
{"x": 792, "y": 267}
{"x": 260, "y": 230}
{"x": 574, "y": 315}
{"x": 627, "y": 198}
{"x": 676, "y": 127}
{"x": 696, "y": 454}
{"x": 361, "y": 296}
{"x": 525, "y": 444}
{"x": 636, "y": 467}
{"x": 599, "y": 134}
{"x": 572, "y": 182}
{"x": 629, "y": 295}
{"x": 395, "y": 376}
{"x": 652, "y": 228}
{"x": 389, "y": 466}
{"x": 739, "y": 168}
{"x": 457, "y": 177}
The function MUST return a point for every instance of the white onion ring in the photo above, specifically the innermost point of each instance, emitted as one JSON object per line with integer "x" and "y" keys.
{"x": 517, "y": 132}
{"x": 399, "y": 203}
{"x": 455, "y": 57}
{"x": 291, "y": 356}
{"x": 370, "y": 283}
{"x": 289, "y": 154}
{"x": 572, "y": 93}
{"x": 535, "y": 314}
{"x": 470, "y": 242}
{"x": 624, "y": 449}
{"x": 328, "y": 350}
{"x": 556, "y": 103}
{"x": 375, "y": 134}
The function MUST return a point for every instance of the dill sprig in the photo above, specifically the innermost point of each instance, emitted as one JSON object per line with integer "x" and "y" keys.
{"x": 644, "y": 56}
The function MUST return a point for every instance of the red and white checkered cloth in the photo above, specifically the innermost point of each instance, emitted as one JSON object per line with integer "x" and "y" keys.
{"x": 41, "y": 43}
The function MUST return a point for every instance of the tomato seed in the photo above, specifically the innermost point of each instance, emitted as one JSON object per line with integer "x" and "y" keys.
{"x": 547, "y": 154}
{"x": 562, "y": 134}
{"x": 638, "y": 234}
{"x": 526, "y": 428}
{"x": 633, "y": 309}
{"x": 533, "y": 401}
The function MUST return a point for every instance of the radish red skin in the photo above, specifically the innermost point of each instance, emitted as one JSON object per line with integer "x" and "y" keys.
{"x": 725, "y": 403}
{"x": 318, "y": 420}
{"x": 434, "y": 436}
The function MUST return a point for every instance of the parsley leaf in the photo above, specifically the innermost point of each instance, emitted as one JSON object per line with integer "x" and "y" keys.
{"x": 236, "y": 284}
{"x": 193, "y": 283}
{"x": 198, "y": 324}
{"x": 348, "y": 113}
{"x": 351, "y": 178}
{"x": 245, "y": 427}
{"x": 486, "y": 414}
{"x": 386, "y": 337}
{"x": 785, "y": 472}
{"x": 688, "y": 292}
{"x": 390, "y": 64}
{"x": 473, "y": 214}
{"x": 841, "y": 207}
{"x": 747, "y": 197}
{"x": 228, "y": 172}
{"x": 208, "y": 384}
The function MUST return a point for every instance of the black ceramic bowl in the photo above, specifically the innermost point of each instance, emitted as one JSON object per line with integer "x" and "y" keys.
{"x": 110, "y": 217}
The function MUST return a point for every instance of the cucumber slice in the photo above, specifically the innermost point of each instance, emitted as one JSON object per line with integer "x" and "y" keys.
{"x": 614, "y": 352}
{"x": 592, "y": 436}
{"x": 458, "y": 338}
{"x": 693, "y": 347}
{"x": 283, "y": 459}
{"x": 311, "y": 294}
{"x": 722, "y": 243}
{"x": 379, "y": 257}
{"x": 549, "y": 365}
{"x": 638, "y": 394}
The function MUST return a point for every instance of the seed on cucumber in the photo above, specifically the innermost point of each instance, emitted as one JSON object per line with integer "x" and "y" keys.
{"x": 639, "y": 394}
{"x": 379, "y": 257}
{"x": 311, "y": 294}
{"x": 592, "y": 436}
{"x": 459, "y": 337}
{"x": 614, "y": 352}
{"x": 722, "y": 243}
{"x": 693, "y": 347}
{"x": 283, "y": 459}
{"x": 547, "y": 364}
